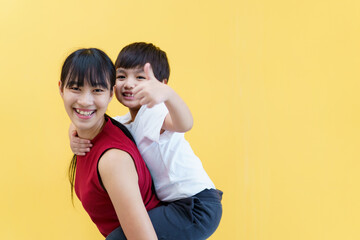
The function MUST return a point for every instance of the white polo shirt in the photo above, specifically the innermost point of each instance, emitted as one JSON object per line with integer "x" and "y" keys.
{"x": 176, "y": 171}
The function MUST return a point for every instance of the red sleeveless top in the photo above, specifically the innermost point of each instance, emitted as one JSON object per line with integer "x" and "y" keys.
{"x": 92, "y": 195}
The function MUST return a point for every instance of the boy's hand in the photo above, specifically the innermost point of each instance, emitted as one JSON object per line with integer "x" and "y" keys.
{"x": 151, "y": 91}
{"x": 79, "y": 146}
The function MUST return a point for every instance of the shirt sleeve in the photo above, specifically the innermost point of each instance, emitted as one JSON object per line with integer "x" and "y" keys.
{"x": 150, "y": 121}
{"x": 123, "y": 119}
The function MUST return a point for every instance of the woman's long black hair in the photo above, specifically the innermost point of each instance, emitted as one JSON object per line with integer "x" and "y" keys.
{"x": 95, "y": 67}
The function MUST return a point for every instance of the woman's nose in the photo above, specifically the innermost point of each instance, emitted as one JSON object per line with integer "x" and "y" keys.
{"x": 86, "y": 99}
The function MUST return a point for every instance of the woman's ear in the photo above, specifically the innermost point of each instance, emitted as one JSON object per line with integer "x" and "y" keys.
{"x": 61, "y": 90}
{"x": 112, "y": 92}
{"x": 165, "y": 81}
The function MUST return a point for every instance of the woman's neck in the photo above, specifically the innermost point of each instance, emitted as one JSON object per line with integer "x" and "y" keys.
{"x": 93, "y": 132}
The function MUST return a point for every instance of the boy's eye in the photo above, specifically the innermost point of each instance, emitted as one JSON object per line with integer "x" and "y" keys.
{"x": 120, "y": 77}
{"x": 141, "y": 77}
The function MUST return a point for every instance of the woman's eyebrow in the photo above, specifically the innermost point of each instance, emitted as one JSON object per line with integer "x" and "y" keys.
{"x": 72, "y": 83}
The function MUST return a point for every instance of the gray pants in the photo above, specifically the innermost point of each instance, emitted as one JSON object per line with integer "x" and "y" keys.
{"x": 193, "y": 218}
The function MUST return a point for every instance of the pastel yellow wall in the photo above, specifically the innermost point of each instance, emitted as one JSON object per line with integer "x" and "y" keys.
{"x": 273, "y": 86}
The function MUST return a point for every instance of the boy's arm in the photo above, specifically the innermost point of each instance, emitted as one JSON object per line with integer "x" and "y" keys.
{"x": 179, "y": 118}
{"x": 79, "y": 146}
{"x": 152, "y": 92}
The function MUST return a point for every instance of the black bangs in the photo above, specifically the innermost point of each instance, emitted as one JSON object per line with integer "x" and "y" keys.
{"x": 91, "y": 65}
{"x": 136, "y": 55}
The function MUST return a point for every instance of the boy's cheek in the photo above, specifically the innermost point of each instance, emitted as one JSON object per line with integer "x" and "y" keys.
{"x": 118, "y": 86}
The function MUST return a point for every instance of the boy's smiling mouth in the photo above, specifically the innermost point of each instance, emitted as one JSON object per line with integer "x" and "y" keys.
{"x": 128, "y": 94}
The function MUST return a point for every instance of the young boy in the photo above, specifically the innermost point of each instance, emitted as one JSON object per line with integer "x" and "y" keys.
{"x": 157, "y": 119}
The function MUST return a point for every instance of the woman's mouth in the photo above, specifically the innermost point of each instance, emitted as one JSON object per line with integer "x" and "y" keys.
{"x": 84, "y": 113}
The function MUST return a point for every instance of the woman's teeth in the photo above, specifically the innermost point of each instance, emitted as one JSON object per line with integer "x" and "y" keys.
{"x": 85, "y": 113}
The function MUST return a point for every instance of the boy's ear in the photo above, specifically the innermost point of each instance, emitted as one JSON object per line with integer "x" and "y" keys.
{"x": 61, "y": 90}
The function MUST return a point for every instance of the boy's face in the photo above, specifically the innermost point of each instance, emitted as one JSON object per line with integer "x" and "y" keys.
{"x": 126, "y": 80}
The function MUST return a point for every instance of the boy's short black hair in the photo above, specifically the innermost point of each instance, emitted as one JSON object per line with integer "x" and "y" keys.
{"x": 138, "y": 54}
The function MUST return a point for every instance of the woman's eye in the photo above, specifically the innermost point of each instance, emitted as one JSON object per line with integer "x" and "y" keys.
{"x": 98, "y": 90}
{"x": 74, "y": 88}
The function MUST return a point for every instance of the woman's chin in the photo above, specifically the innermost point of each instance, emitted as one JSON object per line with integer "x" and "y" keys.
{"x": 88, "y": 127}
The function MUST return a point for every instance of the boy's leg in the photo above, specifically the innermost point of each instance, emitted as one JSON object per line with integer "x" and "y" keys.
{"x": 117, "y": 234}
{"x": 193, "y": 218}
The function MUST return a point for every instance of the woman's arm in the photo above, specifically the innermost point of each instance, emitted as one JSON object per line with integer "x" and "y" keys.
{"x": 119, "y": 176}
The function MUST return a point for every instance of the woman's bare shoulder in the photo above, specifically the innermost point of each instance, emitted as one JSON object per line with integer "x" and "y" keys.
{"x": 114, "y": 160}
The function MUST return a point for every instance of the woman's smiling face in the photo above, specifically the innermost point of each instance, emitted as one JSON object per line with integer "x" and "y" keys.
{"x": 86, "y": 106}
{"x": 86, "y": 87}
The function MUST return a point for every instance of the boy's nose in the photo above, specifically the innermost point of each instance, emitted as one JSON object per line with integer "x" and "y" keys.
{"x": 129, "y": 84}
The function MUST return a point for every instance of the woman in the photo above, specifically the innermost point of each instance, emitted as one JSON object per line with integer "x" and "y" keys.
{"x": 111, "y": 181}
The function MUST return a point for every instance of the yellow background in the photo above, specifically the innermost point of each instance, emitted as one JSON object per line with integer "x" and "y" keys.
{"x": 273, "y": 87}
